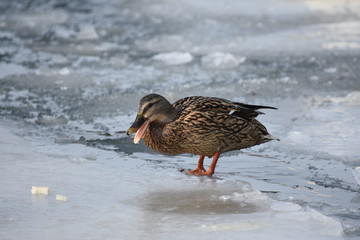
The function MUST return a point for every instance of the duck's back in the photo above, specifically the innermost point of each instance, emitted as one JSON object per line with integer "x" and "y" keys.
{"x": 207, "y": 125}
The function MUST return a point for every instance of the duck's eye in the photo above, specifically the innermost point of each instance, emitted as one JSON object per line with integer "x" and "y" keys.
{"x": 148, "y": 107}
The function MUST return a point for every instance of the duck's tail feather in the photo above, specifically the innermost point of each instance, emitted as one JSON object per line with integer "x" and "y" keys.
{"x": 269, "y": 137}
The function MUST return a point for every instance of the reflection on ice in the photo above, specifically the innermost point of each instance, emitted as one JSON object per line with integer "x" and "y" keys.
{"x": 208, "y": 198}
{"x": 226, "y": 209}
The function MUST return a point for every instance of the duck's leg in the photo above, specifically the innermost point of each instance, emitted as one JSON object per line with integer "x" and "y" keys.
{"x": 200, "y": 167}
{"x": 211, "y": 169}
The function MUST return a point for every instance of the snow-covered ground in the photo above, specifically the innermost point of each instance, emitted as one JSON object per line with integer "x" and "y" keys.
{"x": 71, "y": 76}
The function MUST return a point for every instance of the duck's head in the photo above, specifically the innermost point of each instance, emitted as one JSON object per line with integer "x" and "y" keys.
{"x": 152, "y": 108}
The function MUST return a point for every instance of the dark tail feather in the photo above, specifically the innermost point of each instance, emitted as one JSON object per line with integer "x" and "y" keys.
{"x": 269, "y": 137}
{"x": 254, "y": 107}
{"x": 249, "y": 111}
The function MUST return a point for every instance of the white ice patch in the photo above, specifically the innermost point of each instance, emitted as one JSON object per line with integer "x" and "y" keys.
{"x": 38, "y": 20}
{"x": 353, "y": 98}
{"x": 298, "y": 138}
{"x": 173, "y": 58}
{"x": 61, "y": 198}
{"x": 304, "y": 223}
{"x": 285, "y": 207}
{"x": 239, "y": 226}
{"x": 341, "y": 45}
{"x": 221, "y": 60}
{"x": 253, "y": 198}
{"x": 356, "y": 174}
{"x": 8, "y": 69}
{"x": 87, "y": 32}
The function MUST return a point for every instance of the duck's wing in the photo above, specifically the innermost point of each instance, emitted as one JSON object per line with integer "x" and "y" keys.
{"x": 204, "y": 104}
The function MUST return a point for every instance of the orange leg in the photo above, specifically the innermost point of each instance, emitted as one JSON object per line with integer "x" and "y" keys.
{"x": 200, "y": 167}
{"x": 201, "y": 171}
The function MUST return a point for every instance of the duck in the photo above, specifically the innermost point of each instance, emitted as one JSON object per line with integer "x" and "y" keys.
{"x": 204, "y": 126}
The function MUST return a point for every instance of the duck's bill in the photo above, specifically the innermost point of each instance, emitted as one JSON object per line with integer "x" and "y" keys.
{"x": 139, "y": 127}
{"x": 140, "y": 132}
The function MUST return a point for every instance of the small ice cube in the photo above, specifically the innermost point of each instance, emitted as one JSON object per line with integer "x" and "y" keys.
{"x": 40, "y": 190}
{"x": 61, "y": 198}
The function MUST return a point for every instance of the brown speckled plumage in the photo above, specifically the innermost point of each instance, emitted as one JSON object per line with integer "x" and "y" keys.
{"x": 201, "y": 125}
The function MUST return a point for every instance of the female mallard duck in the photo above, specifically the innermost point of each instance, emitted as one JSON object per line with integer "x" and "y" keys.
{"x": 206, "y": 126}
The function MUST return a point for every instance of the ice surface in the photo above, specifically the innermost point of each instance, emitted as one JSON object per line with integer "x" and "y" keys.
{"x": 181, "y": 207}
{"x": 72, "y": 74}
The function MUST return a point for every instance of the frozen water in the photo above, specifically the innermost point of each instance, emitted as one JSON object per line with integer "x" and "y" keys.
{"x": 126, "y": 205}
{"x": 71, "y": 76}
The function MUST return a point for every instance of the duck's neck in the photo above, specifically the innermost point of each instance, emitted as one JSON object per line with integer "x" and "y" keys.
{"x": 154, "y": 135}
{"x": 166, "y": 115}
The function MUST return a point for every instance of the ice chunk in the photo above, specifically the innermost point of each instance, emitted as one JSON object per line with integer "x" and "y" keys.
{"x": 240, "y": 226}
{"x": 7, "y": 69}
{"x": 296, "y": 137}
{"x": 64, "y": 71}
{"x": 87, "y": 32}
{"x": 40, "y": 190}
{"x": 356, "y": 173}
{"x": 40, "y": 19}
{"x": 221, "y": 60}
{"x": 340, "y": 45}
{"x": 62, "y": 32}
{"x": 353, "y": 98}
{"x": 253, "y": 198}
{"x": 61, "y": 198}
{"x": 285, "y": 207}
{"x": 165, "y": 43}
{"x": 77, "y": 159}
{"x": 328, "y": 226}
{"x": 50, "y": 120}
{"x": 330, "y": 70}
{"x": 174, "y": 58}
